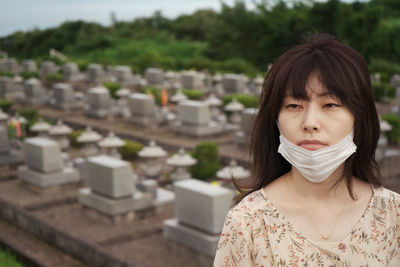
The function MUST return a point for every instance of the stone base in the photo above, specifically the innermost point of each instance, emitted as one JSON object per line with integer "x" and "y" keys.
{"x": 197, "y": 240}
{"x": 198, "y": 130}
{"x": 65, "y": 176}
{"x": 114, "y": 207}
{"x": 35, "y": 101}
{"x": 164, "y": 198}
{"x": 12, "y": 158}
{"x": 142, "y": 120}
{"x": 51, "y": 190}
{"x": 98, "y": 113}
{"x": 65, "y": 106}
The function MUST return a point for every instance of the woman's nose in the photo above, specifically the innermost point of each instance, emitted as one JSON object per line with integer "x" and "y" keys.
{"x": 311, "y": 122}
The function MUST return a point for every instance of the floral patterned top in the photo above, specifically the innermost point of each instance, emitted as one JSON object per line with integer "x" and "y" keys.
{"x": 256, "y": 234}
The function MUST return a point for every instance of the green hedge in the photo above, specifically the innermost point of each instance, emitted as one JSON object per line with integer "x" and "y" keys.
{"x": 193, "y": 94}
{"x": 383, "y": 91}
{"x": 6, "y": 73}
{"x": 249, "y": 101}
{"x": 394, "y": 120}
{"x": 5, "y": 105}
{"x": 73, "y": 138}
{"x": 154, "y": 91}
{"x": 8, "y": 259}
{"x": 112, "y": 88}
{"x": 31, "y": 115}
{"x": 29, "y": 74}
{"x": 130, "y": 149}
{"x": 207, "y": 164}
{"x": 53, "y": 78}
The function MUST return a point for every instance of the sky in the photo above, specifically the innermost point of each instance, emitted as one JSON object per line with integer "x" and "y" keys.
{"x": 26, "y": 15}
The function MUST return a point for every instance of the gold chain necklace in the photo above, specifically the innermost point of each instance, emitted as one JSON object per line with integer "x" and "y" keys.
{"x": 325, "y": 237}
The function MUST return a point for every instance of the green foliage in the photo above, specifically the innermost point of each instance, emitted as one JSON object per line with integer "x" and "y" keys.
{"x": 5, "y": 105}
{"x": 130, "y": 149}
{"x": 383, "y": 91}
{"x": 112, "y": 88}
{"x": 31, "y": 115}
{"x": 8, "y": 259}
{"x": 53, "y": 78}
{"x": 394, "y": 120}
{"x": 82, "y": 65}
{"x": 154, "y": 91}
{"x": 29, "y": 74}
{"x": 7, "y": 74}
{"x": 207, "y": 164}
{"x": 73, "y": 138}
{"x": 249, "y": 101}
{"x": 385, "y": 68}
{"x": 193, "y": 94}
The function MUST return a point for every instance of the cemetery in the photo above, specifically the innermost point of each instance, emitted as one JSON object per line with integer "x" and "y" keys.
{"x": 138, "y": 174}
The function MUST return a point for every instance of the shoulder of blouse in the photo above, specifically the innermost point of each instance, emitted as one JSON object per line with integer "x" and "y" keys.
{"x": 388, "y": 196}
{"x": 252, "y": 204}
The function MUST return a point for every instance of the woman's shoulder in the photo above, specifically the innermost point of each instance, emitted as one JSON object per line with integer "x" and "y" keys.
{"x": 387, "y": 196}
{"x": 253, "y": 203}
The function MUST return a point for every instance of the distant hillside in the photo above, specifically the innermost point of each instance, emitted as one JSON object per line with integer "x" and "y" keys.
{"x": 236, "y": 39}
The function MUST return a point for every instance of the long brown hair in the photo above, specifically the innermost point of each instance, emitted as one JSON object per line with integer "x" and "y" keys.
{"x": 345, "y": 74}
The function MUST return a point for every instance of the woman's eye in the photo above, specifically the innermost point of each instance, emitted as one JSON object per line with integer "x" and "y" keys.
{"x": 293, "y": 106}
{"x": 331, "y": 105}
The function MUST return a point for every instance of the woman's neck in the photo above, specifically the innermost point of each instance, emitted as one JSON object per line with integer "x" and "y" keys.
{"x": 319, "y": 191}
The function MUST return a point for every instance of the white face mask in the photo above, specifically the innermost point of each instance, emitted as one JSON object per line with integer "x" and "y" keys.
{"x": 317, "y": 165}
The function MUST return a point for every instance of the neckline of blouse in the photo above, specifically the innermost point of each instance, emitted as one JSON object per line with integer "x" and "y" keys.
{"x": 318, "y": 243}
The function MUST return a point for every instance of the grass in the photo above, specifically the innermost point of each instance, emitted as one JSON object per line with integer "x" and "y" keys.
{"x": 7, "y": 259}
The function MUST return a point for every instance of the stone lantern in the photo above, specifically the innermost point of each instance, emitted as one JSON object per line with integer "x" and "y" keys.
{"x": 122, "y": 103}
{"x": 217, "y": 87}
{"x": 41, "y": 128}
{"x": 382, "y": 142}
{"x": 232, "y": 171}
{"x": 112, "y": 143}
{"x": 59, "y": 133}
{"x": 178, "y": 97}
{"x": 3, "y": 118}
{"x": 258, "y": 83}
{"x": 235, "y": 107}
{"x": 152, "y": 153}
{"x": 181, "y": 161}
{"x": 89, "y": 138}
{"x": 214, "y": 103}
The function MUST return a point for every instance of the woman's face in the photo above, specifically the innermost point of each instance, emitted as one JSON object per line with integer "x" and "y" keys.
{"x": 316, "y": 123}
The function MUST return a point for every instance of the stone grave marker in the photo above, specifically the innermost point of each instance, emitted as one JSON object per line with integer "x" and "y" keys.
{"x": 194, "y": 118}
{"x": 233, "y": 83}
{"x": 200, "y": 211}
{"x": 98, "y": 100}
{"x": 44, "y": 164}
{"x": 154, "y": 76}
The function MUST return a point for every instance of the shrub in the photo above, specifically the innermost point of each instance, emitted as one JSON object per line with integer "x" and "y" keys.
{"x": 383, "y": 91}
{"x": 207, "y": 164}
{"x": 82, "y": 65}
{"x": 153, "y": 91}
{"x": 73, "y": 136}
{"x": 29, "y": 74}
{"x": 31, "y": 115}
{"x": 5, "y": 105}
{"x": 53, "y": 78}
{"x": 112, "y": 88}
{"x": 6, "y": 73}
{"x": 193, "y": 94}
{"x": 249, "y": 101}
{"x": 394, "y": 120}
{"x": 130, "y": 149}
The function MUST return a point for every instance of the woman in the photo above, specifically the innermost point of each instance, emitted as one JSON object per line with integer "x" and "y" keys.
{"x": 316, "y": 197}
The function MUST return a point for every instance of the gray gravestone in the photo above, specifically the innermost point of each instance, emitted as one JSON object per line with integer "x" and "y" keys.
{"x": 142, "y": 108}
{"x": 110, "y": 176}
{"x": 29, "y": 65}
{"x": 200, "y": 211}
{"x": 154, "y": 76}
{"x": 95, "y": 73}
{"x": 233, "y": 83}
{"x": 112, "y": 190}
{"x": 194, "y": 118}
{"x": 70, "y": 71}
{"x": 192, "y": 80}
{"x": 99, "y": 102}
{"x": 48, "y": 67}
